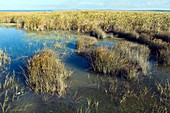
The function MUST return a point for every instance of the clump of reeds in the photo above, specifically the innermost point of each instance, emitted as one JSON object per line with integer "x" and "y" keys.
{"x": 20, "y": 23}
{"x": 164, "y": 57}
{"x": 57, "y": 45}
{"x": 10, "y": 91}
{"x": 98, "y": 33}
{"x": 47, "y": 74}
{"x": 84, "y": 43}
{"x": 8, "y": 19}
{"x": 138, "y": 54}
{"x": 164, "y": 35}
{"x": 127, "y": 60}
{"x": 4, "y": 59}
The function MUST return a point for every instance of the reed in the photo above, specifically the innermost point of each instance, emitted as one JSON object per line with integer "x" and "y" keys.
{"x": 85, "y": 43}
{"x": 127, "y": 60}
{"x": 47, "y": 74}
{"x": 140, "y": 96}
{"x": 4, "y": 60}
{"x": 84, "y": 21}
{"x": 140, "y": 27}
{"x": 10, "y": 92}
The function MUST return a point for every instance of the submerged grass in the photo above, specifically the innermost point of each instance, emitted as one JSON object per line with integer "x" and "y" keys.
{"x": 47, "y": 74}
{"x": 139, "y": 97}
{"x": 10, "y": 92}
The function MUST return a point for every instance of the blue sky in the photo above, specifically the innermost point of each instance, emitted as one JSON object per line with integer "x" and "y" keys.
{"x": 84, "y": 4}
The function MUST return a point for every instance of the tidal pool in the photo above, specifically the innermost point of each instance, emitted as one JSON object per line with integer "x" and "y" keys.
{"x": 84, "y": 92}
{"x": 20, "y": 45}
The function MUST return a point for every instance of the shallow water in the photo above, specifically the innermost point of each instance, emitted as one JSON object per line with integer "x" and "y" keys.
{"x": 20, "y": 46}
{"x": 83, "y": 84}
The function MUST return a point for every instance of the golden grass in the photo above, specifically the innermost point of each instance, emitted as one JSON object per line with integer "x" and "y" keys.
{"x": 47, "y": 74}
{"x": 141, "y": 27}
{"x": 83, "y": 21}
{"x": 84, "y": 44}
{"x": 126, "y": 60}
{"x": 4, "y": 59}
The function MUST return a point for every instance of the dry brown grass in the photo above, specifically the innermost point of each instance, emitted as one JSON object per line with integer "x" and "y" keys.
{"x": 85, "y": 43}
{"x": 127, "y": 60}
{"x": 129, "y": 25}
{"x": 4, "y": 59}
{"x": 47, "y": 74}
{"x": 98, "y": 33}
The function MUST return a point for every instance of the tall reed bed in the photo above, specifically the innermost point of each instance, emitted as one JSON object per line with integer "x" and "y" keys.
{"x": 140, "y": 27}
{"x": 84, "y": 21}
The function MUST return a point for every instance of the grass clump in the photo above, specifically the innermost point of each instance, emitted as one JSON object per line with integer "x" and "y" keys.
{"x": 126, "y": 60}
{"x": 10, "y": 92}
{"x": 4, "y": 59}
{"x": 47, "y": 74}
{"x": 84, "y": 43}
{"x": 98, "y": 33}
{"x": 165, "y": 36}
{"x": 164, "y": 57}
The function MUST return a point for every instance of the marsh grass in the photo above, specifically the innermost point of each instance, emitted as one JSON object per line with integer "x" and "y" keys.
{"x": 164, "y": 35}
{"x": 158, "y": 45}
{"x": 47, "y": 74}
{"x": 98, "y": 33}
{"x": 127, "y": 60}
{"x": 84, "y": 43}
{"x": 90, "y": 106}
{"x": 128, "y": 25}
{"x": 57, "y": 45}
{"x": 10, "y": 92}
{"x": 84, "y": 21}
{"x": 4, "y": 60}
{"x": 140, "y": 96}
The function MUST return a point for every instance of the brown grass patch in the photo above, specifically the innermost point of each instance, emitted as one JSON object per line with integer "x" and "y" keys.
{"x": 47, "y": 74}
{"x": 84, "y": 43}
{"x": 127, "y": 60}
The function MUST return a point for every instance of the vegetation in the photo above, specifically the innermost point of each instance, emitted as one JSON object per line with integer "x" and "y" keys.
{"x": 10, "y": 92}
{"x": 84, "y": 44}
{"x": 4, "y": 59}
{"x": 47, "y": 74}
{"x": 85, "y": 21}
{"x": 141, "y": 96}
{"x": 126, "y": 60}
{"x": 142, "y": 27}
